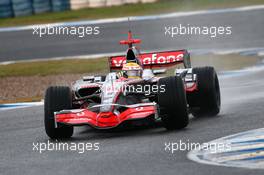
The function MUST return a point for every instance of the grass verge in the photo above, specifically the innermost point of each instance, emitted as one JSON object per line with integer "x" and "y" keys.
{"x": 44, "y": 68}
{"x": 162, "y": 6}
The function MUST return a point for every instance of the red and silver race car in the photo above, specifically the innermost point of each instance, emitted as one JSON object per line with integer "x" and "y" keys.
{"x": 132, "y": 92}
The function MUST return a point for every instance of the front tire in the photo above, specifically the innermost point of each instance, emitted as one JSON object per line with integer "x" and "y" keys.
{"x": 57, "y": 98}
{"x": 172, "y": 103}
{"x": 208, "y": 97}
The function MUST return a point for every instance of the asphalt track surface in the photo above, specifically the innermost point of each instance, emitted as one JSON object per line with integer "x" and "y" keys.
{"x": 135, "y": 150}
{"x": 247, "y": 32}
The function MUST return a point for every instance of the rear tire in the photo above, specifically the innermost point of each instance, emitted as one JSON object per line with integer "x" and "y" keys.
{"x": 172, "y": 103}
{"x": 208, "y": 97}
{"x": 57, "y": 98}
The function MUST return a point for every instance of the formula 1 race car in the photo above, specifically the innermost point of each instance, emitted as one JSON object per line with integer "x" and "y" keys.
{"x": 132, "y": 92}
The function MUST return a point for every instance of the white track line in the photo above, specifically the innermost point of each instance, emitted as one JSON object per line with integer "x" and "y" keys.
{"x": 259, "y": 52}
{"x": 91, "y": 56}
{"x": 195, "y": 155}
{"x": 9, "y": 106}
{"x": 136, "y": 18}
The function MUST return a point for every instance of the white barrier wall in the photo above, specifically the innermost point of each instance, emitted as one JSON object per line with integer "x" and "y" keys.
{"x": 97, "y": 3}
{"x": 147, "y": 1}
{"x": 131, "y": 1}
{"x": 13, "y": 8}
{"x": 114, "y": 2}
{"x": 78, "y": 4}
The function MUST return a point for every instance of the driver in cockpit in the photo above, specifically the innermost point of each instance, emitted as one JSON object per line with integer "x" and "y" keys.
{"x": 132, "y": 70}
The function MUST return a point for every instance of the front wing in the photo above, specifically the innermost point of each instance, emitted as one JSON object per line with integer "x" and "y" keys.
{"x": 104, "y": 120}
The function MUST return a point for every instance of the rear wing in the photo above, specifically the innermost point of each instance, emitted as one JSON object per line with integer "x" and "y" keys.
{"x": 154, "y": 60}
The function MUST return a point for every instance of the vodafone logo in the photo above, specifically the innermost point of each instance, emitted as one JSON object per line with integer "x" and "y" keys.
{"x": 162, "y": 59}
{"x": 152, "y": 59}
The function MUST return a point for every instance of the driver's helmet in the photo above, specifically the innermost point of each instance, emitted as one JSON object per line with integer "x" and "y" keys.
{"x": 132, "y": 70}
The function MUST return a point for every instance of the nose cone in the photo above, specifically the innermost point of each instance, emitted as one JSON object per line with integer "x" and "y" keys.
{"x": 108, "y": 119}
